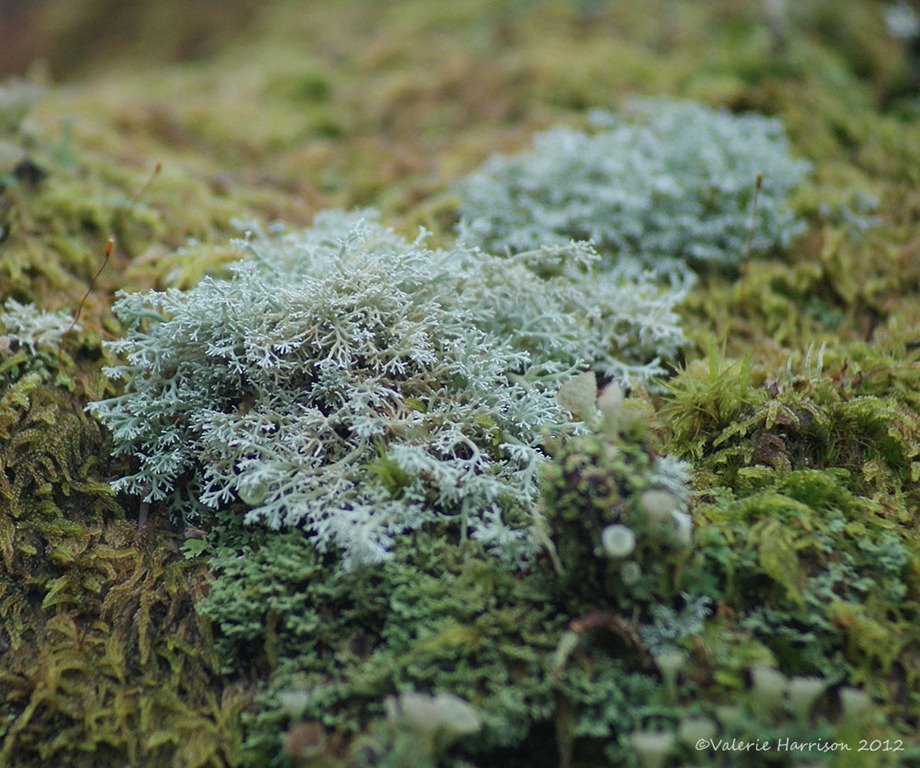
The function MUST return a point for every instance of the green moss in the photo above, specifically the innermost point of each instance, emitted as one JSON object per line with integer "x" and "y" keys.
{"x": 808, "y": 507}
{"x": 440, "y": 617}
{"x": 103, "y": 658}
{"x": 805, "y": 544}
{"x": 799, "y": 573}
{"x": 851, "y": 409}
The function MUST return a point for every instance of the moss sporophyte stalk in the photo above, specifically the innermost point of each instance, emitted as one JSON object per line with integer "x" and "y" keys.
{"x": 363, "y": 401}
{"x": 486, "y": 496}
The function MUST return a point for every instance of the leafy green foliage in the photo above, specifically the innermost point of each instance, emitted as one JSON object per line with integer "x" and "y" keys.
{"x": 809, "y": 498}
{"x": 436, "y": 619}
{"x": 860, "y": 417}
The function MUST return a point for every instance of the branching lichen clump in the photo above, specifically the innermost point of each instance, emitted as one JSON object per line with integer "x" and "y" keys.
{"x": 357, "y": 385}
{"x": 671, "y": 180}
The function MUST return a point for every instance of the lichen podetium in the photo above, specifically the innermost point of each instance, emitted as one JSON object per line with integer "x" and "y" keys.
{"x": 776, "y": 600}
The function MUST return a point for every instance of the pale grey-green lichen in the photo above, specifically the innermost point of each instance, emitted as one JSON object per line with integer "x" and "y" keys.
{"x": 358, "y": 386}
{"x": 30, "y": 326}
{"x": 664, "y": 180}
